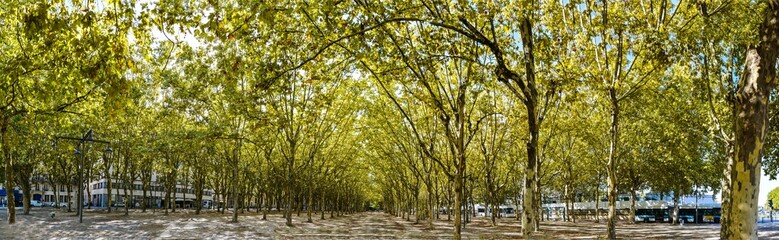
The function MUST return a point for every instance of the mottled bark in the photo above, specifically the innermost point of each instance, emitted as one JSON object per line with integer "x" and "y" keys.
{"x": 751, "y": 125}
{"x": 458, "y": 192}
{"x": 675, "y": 213}
{"x": 530, "y": 212}
{"x": 612, "y": 165}
{"x": 726, "y": 191}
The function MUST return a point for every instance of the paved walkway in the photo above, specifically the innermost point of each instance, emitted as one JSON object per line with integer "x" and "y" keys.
{"x": 185, "y": 224}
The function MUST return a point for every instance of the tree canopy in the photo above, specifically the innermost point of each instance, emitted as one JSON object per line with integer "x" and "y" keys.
{"x": 407, "y": 106}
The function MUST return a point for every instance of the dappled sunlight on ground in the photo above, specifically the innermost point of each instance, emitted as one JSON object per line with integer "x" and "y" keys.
{"x": 99, "y": 224}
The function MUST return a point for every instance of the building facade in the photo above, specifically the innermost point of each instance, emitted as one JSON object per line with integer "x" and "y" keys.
{"x": 97, "y": 194}
{"x": 184, "y": 195}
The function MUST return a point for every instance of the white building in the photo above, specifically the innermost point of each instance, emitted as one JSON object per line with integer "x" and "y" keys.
{"x": 184, "y": 195}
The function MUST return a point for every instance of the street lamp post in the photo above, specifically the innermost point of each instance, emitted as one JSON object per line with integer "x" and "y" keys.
{"x": 106, "y": 157}
{"x": 80, "y": 196}
{"x": 80, "y": 152}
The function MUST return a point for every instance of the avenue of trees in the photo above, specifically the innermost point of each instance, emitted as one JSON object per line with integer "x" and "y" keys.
{"x": 413, "y": 106}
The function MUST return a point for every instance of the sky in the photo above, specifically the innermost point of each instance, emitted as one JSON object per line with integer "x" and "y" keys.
{"x": 766, "y": 186}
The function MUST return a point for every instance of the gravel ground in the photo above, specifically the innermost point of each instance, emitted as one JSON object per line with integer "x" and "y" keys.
{"x": 98, "y": 224}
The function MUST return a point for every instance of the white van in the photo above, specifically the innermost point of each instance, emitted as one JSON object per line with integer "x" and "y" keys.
{"x": 36, "y": 203}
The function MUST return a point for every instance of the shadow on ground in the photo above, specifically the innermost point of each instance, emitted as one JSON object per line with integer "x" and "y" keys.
{"x": 98, "y": 224}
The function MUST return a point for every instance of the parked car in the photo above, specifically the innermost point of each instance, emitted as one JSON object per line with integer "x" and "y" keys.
{"x": 687, "y": 218}
{"x": 36, "y": 203}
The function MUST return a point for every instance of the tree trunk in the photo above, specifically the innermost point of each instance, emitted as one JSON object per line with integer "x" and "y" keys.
{"x": 299, "y": 202}
{"x": 726, "y": 190}
{"x": 337, "y": 205}
{"x": 26, "y": 195}
{"x": 260, "y": 200}
{"x": 199, "y": 195}
{"x": 494, "y": 213}
{"x": 56, "y": 195}
{"x": 268, "y": 201}
{"x": 126, "y": 200}
{"x": 437, "y": 201}
{"x": 416, "y": 206}
{"x": 516, "y": 206}
{"x": 529, "y": 213}
{"x": 537, "y": 199}
{"x": 309, "y": 205}
{"x": 9, "y": 173}
{"x": 567, "y": 195}
{"x": 70, "y": 197}
{"x": 430, "y": 205}
{"x": 322, "y": 205}
{"x": 612, "y": 164}
{"x": 145, "y": 183}
{"x": 633, "y": 205}
{"x": 235, "y": 181}
{"x": 290, "y": 165}
{"x": 174, "y": 191}
{"x": 675, "y": 216}
{"x": 458, "y": 192}
{"x": 751, "y": 126}
{"x": 167, "y": 196}
{"x": 333, "y": 207}
{"x": 597, "y": 200}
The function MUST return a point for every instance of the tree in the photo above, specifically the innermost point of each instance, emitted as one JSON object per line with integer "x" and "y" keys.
{"x": 624, "y": 58}
{"x": 754, "y": 86}
{"x": 773, "y": 199}
{"x": 48, "y": 62}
